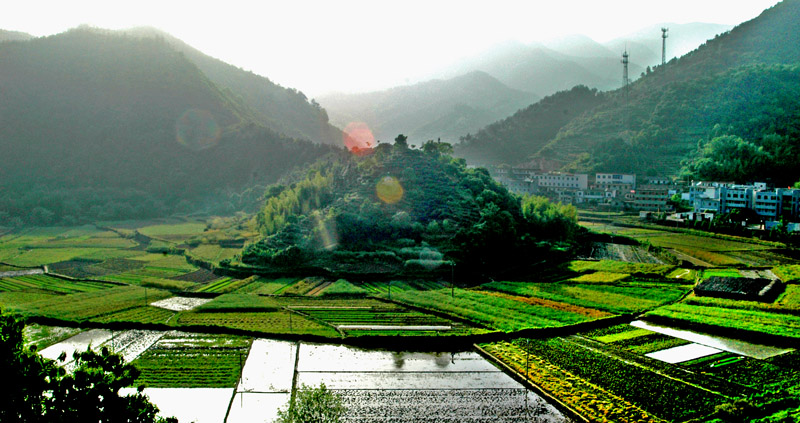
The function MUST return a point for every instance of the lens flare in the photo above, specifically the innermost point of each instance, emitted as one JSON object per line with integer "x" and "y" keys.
{"x": 389, "y": 190}
{"x": 196, "y": 129}
{"x": 327, "y": 237}
{"x": 358, "y": 138}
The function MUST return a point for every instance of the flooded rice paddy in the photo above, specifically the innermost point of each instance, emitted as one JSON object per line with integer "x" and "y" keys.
{"x": 375, "y": 385}
{"x": 683, "y": 353}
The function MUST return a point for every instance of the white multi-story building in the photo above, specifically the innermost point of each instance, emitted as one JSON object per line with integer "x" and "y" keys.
{"x": 615, "y": 179}
{"x": 557, "y": 180}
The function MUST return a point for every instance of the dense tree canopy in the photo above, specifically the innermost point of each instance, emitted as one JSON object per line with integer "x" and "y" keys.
{"x": 398, "y": 204}
{"x": 41, "y": 391}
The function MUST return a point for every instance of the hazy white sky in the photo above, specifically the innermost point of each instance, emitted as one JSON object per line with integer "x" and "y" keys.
{"x": 355, "y": 45}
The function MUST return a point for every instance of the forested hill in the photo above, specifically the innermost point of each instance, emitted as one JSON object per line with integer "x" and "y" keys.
{"x": 429, "y": 110}
{"x": 126, "y": 124}
{"x": 398, "y": 208}
{"x": 6, "y": 35}
{"x": 513, "y": 139}
{"x": 284, "y": 110}
{"x": 736, "y": 80}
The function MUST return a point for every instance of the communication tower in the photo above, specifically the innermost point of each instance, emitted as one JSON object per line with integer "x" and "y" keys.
{"x": 625, "y": 68}
{"x": 664, "y": 45}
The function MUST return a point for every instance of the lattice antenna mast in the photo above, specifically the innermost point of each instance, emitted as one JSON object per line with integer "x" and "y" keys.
{"x": 664, "y": 37}
{"x": 625, "y": 68}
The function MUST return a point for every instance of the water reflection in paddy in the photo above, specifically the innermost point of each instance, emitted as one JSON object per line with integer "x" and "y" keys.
{"x": 375, "y": 385}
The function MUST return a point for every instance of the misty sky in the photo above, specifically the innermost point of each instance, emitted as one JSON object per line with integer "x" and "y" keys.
{"x": 335, "y": 45}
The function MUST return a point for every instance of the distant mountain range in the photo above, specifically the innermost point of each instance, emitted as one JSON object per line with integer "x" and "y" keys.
{"x": 480, "y": 90}
{"x": 435, "y": 109}
{"x": 737, "y": 83}
{"x": 113, "y": 112}
{"x": 562, "y": 63}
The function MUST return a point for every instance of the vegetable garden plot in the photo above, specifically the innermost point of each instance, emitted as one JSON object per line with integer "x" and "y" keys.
{"x": 488, "y": 310}
{"x": 88, "y": 305}
{"x": 143, "y": 314}
{"x": 622, "y": 298}
{"x": 280, "y": 322}
{"x": 753, "y": 320}
{"x": 189, "y": 360}
{"x": 49, "y": 283}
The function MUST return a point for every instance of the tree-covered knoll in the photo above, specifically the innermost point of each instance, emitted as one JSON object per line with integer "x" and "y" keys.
{"x": 402, "y": 208}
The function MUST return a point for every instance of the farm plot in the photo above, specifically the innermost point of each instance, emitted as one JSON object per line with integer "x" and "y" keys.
{"x": 40, "y": 336}
{"x": 488, "y": 310}
{"x": 47, "y": 283}
{"x": 240, "y": 302}
{"x": 224, "y": 284}
{"x": 214, "y": 252}
{"x": 193, "y": 361}
{"x": 640, "y": 341}
{"x": 264, "y": 286}
{"x": 667, "y": 397}
{"x": 620, "y": 298}
{"x": 749, "y": 320}
{"x": 611, "y": 266}
{"x": 277, "y": 322}
{"x": 589, "y": 400}
{"x": 143, "y": 314}
{"x": 88, "y": 305}
{"x": 175, "y": 232}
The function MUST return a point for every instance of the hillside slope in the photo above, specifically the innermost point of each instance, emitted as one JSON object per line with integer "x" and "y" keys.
{"x": 657, "y": 122}
{"x": 284, "y": 110}
{"x": 124, "y": 119}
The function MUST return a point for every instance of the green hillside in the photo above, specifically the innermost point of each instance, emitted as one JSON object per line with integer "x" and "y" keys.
{"x": 735, "y": 81}
{"x": 402, "y": 209}
{"x": 120, "y": 123}
{"x": 284, "y": 110}
{"x": 513, "y": 139}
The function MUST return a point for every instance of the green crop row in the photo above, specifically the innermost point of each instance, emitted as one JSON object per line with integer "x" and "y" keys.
{"x": 665, "y": 397}
{"x": 488, "y": 310}
{"x": 623, "y": 298}
{"x": 587, "y": 399}
{"x": 233, "y": 302}
{"x": 49, "y": 283}
{"x": 278, "y": 322}
{"x": 751, "y": 320}
{"x": 86, "y": 305}
{"x": 655, "y": 270}
{"x": 185, "y": 361}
